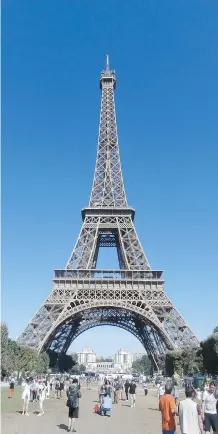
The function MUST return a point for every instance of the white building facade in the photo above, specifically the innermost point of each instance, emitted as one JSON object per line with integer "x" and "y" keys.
{"x": 86, "y": 356}
{"x": 121, "y": 363}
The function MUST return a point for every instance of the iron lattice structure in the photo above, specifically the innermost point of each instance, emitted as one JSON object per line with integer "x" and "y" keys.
{"x": 132, "y": 297}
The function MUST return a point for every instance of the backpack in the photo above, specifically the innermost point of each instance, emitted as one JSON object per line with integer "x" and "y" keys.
{"x": 97, "y": 408}
{"x": 73, "y": 401}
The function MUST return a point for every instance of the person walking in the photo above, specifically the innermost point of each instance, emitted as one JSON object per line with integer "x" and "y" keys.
{"x": 57, "y": 388}
{"x": 73, "y": 404}
{"x": 108, "y": 388}
{"x": 42, "y": 395}
{"x": 132, "y": 390}
{"x": 26, "y": 397}
{"x": 116, "y": 391}
{"x": 160, "y": 390}
{"x": 209, "y": 409}
{"x": 61, "y": 387}
{"x": 47, "y": 383}
{"x": 167, "y": 407}
{"x": 126, "y": 387}
{"x": 190, "y": 414}
{"x": 175, "y": 392}
{"x": 101, "y": 392}
{"x": 36, "y": 390}
{"x": 11, "y": 387}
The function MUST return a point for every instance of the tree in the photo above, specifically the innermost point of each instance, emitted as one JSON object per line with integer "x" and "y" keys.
{"x": 63, "y": 361}
{"x": 4, "y": 348}
{"x": 82, "y": 368}
{"x": 142, "y": 365}
{"x": 53, "y": 358}
{"x": 42, "y": 363}
{"x": 174, "y": 362}
{"x": 210, "y": 354}
{"x": 215, "y": 330}
{"x": 184, "y": 362}
{"x": 192, "y": 360}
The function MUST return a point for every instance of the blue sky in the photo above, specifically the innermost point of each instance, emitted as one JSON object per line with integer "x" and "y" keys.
{"x": 164, "y": 54}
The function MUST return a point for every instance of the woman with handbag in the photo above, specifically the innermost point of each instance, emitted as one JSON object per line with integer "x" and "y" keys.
{"x": 73, "y": 395}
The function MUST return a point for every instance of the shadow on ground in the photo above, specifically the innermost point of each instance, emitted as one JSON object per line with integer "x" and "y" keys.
{"x": 62, "y": 426}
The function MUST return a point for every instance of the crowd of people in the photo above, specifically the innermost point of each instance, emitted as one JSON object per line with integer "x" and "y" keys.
{"x": 197, "y": 413}
{"x": 119, "y": 390}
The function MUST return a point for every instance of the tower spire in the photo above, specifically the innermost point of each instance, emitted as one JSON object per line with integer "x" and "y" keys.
{"x": 107, "y": 62}
{"x": 108, "y": 188}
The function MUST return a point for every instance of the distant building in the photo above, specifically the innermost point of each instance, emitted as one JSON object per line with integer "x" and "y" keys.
{"x": 86, "y": 357}
{"x": 121, "y": 362}
{"x": 124, "y": 358}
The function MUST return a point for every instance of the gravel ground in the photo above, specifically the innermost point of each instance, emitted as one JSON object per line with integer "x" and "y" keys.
{"x": 145, "y": 418}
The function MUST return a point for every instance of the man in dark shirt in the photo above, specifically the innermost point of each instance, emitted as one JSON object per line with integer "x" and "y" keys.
{"x": 132, "y": 389}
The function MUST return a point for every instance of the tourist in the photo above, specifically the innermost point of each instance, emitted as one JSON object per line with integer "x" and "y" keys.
{"x": 48, "y": 388}
{"x": 73, "y": 403}
{"x": 116, "y": 391}
{"x": 88, "y": 383}
{"x": 145, "y": 387}
{"x": 190, "y": 414}
{"x": 199, "y": 395}
{"x": 209, "y": 409}
{"x": 160, "y": 390}
{"x": 106, "y": 406}
{"x": 126, "y": 386}
{"x": 11, "y": 387}
{"x": 175, "y": 392}
{"x": 168, "y": 409}
{"x": 57, "y": 388}
{"x": 51, "y": 384}
{"x": 42, "y": 394}
{"x": 26, "y": 397}
{"x": 101, "y": 392}
{"x": 132, "y": 390}
{"x": 61, "y": 387}
{"x": 108, "y": 388}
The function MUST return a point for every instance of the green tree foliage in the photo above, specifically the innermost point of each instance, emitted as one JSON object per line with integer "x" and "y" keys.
{"x": 20, "y": 358}
{"x": 184, "y": 362}
{"x": 215, "y": 330}
{"x": 142, "y": 365}
{"x": 82, "y": 368}
{"x": 53, "y": 358}
{"x": 42, "y": 363}
{"x": 210, "y": 354}
{"x": 4, "y": 346}
{"x": 64, "y": 362}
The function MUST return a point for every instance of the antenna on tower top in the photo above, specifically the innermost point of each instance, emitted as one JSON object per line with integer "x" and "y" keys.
{"x": 107, "y": 62}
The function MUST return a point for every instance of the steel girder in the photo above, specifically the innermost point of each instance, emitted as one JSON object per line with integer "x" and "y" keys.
{"x": 122, "y": 230}
{"x": 108, "y": 187}
{"x": 149, "y": 337}
{"x": 133, "y": 297}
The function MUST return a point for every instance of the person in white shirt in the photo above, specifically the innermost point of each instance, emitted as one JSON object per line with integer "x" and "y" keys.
{"x": 190, "y": 414}
{"x": 47, "y": 388}
{"x": 209, "y": 409}
{"x": 106, "y": 406}
{"x": 26, "y": 397}
{"x": 160, "y": 390}
{"x": 42, "y": 394}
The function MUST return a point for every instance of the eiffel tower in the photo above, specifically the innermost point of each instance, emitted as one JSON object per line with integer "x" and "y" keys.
{"x": 131, "y": 297}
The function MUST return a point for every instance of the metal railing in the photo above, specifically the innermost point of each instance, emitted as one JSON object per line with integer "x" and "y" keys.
{"x": 108, "y": 274}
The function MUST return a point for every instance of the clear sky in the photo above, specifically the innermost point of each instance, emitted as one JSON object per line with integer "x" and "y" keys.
{"x": 165, "y": 57}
